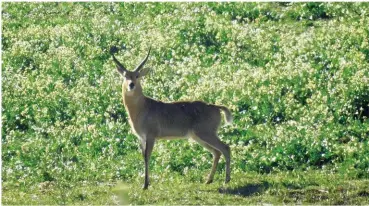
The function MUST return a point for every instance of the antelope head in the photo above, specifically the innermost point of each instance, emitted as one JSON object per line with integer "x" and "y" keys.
{"x": 131, "y": 78}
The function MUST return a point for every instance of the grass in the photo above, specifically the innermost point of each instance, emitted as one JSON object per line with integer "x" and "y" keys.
{"x": 295, "y": 76}
{"x": 297, "y": 187}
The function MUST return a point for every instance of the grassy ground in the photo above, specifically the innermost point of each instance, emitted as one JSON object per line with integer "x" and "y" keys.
{"x": 299, "y": 187}
{"x": 294, "y": 75}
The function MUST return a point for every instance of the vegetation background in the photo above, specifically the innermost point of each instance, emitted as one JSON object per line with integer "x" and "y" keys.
{"x": 295, "y": 75}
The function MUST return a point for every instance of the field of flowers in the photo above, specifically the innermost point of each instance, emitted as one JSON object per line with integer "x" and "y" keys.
{"x": 295, "y": 75}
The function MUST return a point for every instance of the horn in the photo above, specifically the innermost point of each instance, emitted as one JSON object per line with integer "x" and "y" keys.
{"x": 139, "y": 67}
{"x": 120, "y": 66}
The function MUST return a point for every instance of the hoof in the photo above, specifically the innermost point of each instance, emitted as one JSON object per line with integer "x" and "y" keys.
{"x": 209, "y": 182}
{"x": 145, "y": 187}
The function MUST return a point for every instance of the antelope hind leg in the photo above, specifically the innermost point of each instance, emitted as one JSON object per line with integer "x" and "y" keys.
{"x": 216, "y": 157}
{"x": 213, "y": 141}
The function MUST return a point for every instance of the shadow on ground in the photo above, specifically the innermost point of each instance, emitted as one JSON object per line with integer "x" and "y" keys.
{"x": 246, "y": 190}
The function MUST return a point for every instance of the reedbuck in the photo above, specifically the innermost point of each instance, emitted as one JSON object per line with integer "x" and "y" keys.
{"x": 151, "y": 119}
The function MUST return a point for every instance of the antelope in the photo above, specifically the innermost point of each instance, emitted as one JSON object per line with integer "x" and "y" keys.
{"x": 151, "y": 120}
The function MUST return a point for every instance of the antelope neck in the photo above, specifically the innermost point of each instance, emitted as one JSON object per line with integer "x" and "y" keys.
{"x": 134, "y": 103}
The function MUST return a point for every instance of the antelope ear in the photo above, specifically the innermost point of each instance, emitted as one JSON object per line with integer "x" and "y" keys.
{"x": 144, "y": 71}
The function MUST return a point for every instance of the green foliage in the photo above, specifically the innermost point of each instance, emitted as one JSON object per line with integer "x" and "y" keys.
{"x": 295, "y": 76}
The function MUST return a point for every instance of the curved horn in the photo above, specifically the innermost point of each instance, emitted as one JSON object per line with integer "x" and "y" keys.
{"x": 120, "y": 66}
{"x": 139, "y": 67}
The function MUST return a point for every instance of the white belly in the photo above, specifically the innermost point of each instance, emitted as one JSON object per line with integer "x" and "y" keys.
{"x": 173, "y": 137}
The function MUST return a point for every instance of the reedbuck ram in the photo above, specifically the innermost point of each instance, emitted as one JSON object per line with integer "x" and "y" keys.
{"x": 151, "y": 119}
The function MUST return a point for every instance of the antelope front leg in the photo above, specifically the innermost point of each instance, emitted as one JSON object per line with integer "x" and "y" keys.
{"x": 148, "y": 149}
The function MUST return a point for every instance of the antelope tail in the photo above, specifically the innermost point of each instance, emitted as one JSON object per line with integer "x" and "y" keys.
{"x": 228, "y": 114}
